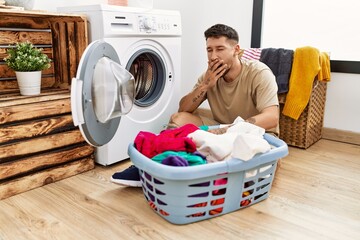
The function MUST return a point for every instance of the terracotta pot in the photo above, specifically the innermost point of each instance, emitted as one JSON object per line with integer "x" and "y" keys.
{"x": 29, "y": 82}
{"x": 118, "y": 2}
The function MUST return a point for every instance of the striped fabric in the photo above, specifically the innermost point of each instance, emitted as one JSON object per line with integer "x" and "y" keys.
{"x": 251, "y": 54}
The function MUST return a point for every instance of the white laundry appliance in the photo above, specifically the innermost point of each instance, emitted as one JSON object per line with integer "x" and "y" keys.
{"x": 109, "y": 110}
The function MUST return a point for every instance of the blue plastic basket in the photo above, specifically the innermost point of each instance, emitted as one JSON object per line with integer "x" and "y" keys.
{"x": 184, "y": 195}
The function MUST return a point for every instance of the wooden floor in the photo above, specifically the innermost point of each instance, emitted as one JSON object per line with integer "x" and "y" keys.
{"x": 315, "y": 195}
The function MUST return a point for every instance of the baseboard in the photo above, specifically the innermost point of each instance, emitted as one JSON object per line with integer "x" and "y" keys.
{"x": 341, "y": 135}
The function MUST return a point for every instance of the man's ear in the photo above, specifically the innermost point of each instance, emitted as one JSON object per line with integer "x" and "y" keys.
{"x": 237, "y": 49}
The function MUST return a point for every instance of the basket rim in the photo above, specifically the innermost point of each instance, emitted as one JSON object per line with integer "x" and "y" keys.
{"x": 206, "y": 170}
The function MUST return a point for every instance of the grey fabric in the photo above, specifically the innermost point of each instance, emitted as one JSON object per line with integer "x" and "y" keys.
{"x": 279, "y": 60}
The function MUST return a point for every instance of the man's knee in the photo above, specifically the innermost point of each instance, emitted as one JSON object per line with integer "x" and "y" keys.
{"x": 178, "y": 119}
{"x": 181, "y": 118}
{"x": 173, "y": 120}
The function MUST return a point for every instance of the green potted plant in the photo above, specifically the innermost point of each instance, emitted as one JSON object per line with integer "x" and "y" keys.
{"x": 27, "y": 61}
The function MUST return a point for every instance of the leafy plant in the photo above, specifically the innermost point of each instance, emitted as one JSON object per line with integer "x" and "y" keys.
{"x": 24, "y": 57}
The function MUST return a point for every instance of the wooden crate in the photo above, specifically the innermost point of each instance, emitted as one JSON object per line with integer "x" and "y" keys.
{"x": 38, "y": 142}
{"x": 63, "y": 38}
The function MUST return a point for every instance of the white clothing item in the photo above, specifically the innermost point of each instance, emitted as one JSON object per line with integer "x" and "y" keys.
{"x": 242, "y": 140}
{"x": 214, "y": 147}
{"x": 248, "y": 128}
{"x": 237, "y": 120}
{"x": 249, "y": 141}
{"x": 247, "y": 145}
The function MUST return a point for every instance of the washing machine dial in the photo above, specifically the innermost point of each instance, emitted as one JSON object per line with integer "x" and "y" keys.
{"x": 148, "y": 23}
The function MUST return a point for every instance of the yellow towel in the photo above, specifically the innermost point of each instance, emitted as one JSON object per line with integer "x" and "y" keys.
{"x": 305, "y": 67}
{"x": 324, "y": 74}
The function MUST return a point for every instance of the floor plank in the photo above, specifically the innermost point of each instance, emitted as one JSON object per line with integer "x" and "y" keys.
{"x": 315, "y": 195}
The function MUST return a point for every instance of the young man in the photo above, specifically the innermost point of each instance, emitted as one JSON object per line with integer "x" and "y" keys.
{"x": 233, "y": 87}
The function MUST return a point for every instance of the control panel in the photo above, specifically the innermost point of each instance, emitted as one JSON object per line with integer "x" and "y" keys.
{"x": 156, "y": 24}
{"x": 111, "y": 21}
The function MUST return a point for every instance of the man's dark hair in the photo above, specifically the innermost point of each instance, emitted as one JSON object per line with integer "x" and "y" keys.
{"x": 221, "y": 30}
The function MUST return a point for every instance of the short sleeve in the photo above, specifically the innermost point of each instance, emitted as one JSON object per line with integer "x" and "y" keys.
{"x": 265, "y": 94}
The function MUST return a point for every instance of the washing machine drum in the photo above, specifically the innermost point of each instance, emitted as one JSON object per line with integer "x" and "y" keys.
{"x": 101, "y": 93}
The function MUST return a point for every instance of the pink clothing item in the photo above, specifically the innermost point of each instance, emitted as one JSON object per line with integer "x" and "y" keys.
{"x": 251, "y": 54}
{"x": 180, "y": 131}
{"x": 150, "y": 144}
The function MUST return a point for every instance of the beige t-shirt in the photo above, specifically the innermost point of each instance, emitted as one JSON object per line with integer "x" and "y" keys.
{"x": 253, "y": 90}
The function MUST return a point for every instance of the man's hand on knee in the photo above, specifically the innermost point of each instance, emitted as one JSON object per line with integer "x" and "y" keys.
{"x": 219, "y": 130}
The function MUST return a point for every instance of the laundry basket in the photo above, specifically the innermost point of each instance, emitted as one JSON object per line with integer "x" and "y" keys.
{"x": 184, "y": 195}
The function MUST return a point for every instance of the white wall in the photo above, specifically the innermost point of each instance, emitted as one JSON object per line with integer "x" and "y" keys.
{"x": 199, "y": 15}
{"x": 342, "y": 110}
{"x": 343, "y": 95}
{"x": 331, "y": 26}
{"x": 53, "y": 4}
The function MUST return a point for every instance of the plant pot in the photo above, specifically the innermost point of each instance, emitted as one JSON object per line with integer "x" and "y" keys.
{"x": 29, "y": 82}
{"x": 118, "y": 2}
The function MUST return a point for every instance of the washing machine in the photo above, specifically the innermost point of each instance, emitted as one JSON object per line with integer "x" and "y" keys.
{"x": 145, "y": 47}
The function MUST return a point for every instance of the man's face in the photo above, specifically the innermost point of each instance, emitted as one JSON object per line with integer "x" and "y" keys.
{"x": 221, "y": 48}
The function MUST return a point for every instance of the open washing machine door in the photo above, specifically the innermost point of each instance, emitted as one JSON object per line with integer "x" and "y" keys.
{"x": 101, "y": 93}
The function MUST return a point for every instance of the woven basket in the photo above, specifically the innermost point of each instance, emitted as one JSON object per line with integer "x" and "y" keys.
{"x": 307, "y": 130}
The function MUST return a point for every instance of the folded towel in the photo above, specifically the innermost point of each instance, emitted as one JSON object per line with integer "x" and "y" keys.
{"x": 305, "y": 67}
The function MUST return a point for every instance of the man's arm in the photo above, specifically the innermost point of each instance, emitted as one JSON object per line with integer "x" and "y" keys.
{"x": 192, "y": 101}
{"x": 267, "y": 118}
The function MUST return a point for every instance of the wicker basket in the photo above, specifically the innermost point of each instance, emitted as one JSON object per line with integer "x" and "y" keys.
{"x": 307, "y": 130}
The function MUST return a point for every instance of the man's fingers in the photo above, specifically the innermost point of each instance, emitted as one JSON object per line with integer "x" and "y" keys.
{"x": 214, "y": 65}
{"x": 221, "y": 69}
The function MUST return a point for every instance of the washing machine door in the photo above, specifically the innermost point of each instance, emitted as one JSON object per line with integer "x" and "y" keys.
{"x": 101, "y": 93}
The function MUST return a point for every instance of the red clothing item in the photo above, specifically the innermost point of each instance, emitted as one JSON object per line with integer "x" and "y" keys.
{"x": 150, "y": 144}
{"x": 180, "y": 131}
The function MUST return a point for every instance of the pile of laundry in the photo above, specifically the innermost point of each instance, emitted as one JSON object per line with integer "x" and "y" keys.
{"x": 190, "y": 145}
